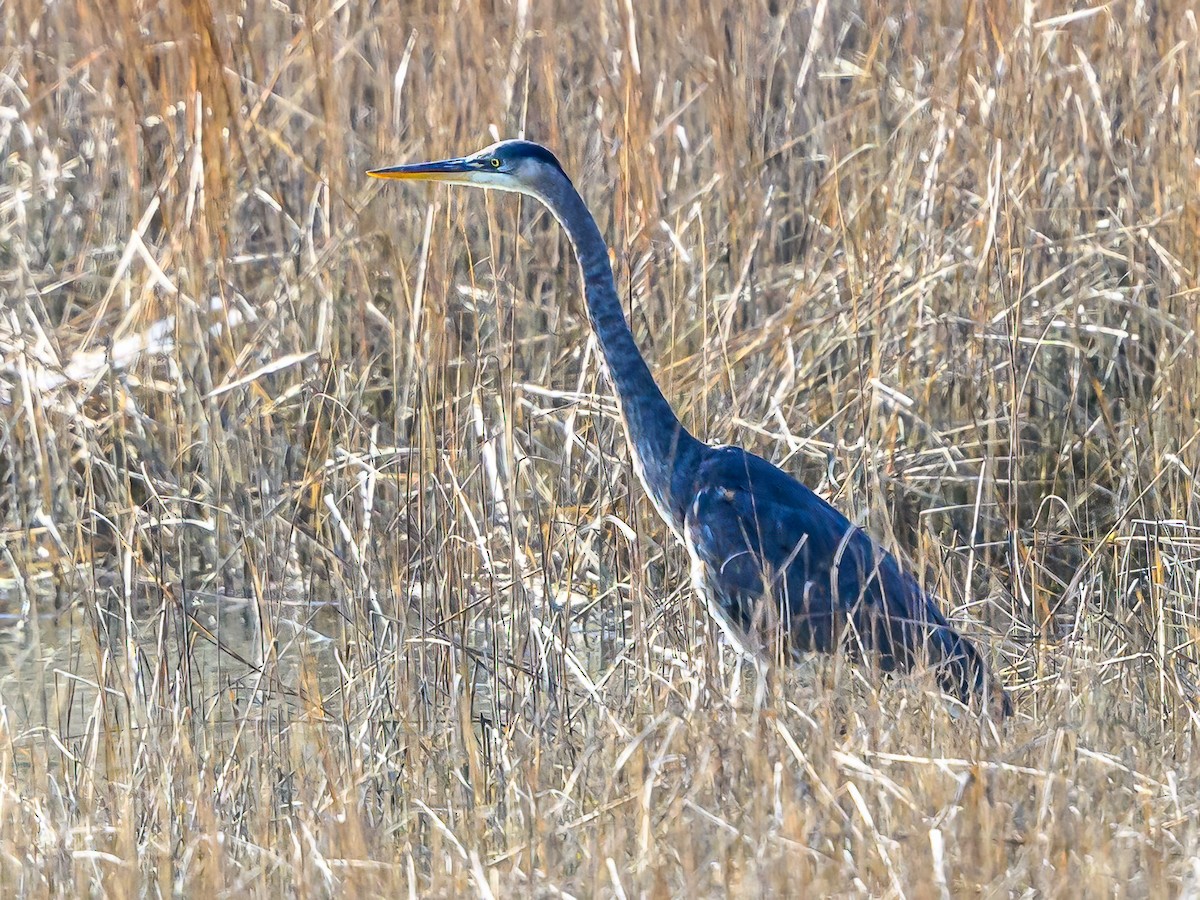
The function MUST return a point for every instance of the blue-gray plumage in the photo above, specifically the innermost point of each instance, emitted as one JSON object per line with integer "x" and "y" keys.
{"x": 780, "y": 569}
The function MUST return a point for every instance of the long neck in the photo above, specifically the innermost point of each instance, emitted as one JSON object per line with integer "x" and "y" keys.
{"x": 665, "y": 455}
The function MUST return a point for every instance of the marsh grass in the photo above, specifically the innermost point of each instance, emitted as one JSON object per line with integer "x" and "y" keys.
{"x": 323, "y": 565}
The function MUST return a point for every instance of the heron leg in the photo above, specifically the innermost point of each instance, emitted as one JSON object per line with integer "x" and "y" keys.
{"x": 735, "y": 684}
{"x": 762, "y": 682}
{"x": 763, "y": 670}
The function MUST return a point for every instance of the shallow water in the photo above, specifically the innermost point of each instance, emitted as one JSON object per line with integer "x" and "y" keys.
{"x": 53, "y": 665}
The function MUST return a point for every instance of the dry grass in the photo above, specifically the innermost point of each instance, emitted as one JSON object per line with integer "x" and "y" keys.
{"x": 323, "y": 566}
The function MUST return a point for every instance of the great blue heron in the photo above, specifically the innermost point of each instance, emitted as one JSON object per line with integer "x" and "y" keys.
{"x": 780, "y": 569}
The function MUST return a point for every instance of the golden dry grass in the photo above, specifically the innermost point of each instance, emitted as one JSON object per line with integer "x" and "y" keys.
{"x": 323, "y": 567}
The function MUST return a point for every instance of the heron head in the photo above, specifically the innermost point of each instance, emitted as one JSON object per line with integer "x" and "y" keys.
{"x": 520, "y": 166}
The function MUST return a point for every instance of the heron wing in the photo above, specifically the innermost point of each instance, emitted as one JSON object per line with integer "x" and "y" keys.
{"x": 778, "y": 562}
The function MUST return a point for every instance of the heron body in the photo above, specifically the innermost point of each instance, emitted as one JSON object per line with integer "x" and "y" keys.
{"x": 780, "y": 569}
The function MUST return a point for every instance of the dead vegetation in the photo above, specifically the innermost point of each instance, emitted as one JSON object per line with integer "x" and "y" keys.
{"x": 323, "y": 569}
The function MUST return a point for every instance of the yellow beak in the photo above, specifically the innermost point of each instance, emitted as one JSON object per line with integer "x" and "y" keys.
{"x": 455, "y": 171}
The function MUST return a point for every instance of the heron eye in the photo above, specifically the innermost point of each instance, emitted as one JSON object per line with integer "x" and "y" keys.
{"x": 495, "y": 162}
